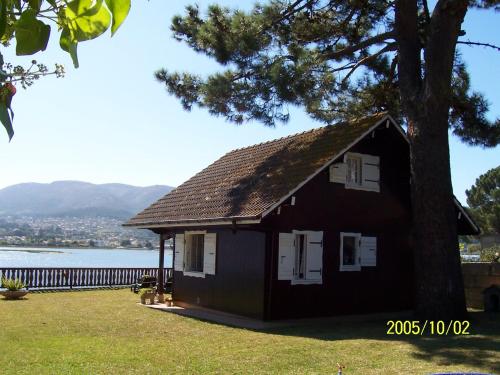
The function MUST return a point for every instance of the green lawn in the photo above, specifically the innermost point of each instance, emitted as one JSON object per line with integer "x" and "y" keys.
{"x": 106, "y": 332}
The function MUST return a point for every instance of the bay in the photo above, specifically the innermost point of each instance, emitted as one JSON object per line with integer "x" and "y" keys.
{"x": 67, "y": 257}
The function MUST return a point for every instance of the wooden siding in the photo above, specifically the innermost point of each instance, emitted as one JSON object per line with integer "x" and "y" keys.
{"x": 247, "y": 257}
{"x": 331, "y": 208}
{"x": 238, "y": 283}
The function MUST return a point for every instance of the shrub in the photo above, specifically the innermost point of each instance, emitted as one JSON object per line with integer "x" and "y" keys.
{"x": 491, "y": 254}
{"x": 12, "y": 284}
{"x": 474, "y": 248}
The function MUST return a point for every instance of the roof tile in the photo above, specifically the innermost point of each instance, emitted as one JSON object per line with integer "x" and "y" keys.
{"x": 247, "y": 181}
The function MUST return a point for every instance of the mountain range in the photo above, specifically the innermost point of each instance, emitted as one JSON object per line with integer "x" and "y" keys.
{"x": 78, "y": 199}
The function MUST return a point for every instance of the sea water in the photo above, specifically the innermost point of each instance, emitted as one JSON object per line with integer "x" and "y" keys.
{"x": 65, "y": 257}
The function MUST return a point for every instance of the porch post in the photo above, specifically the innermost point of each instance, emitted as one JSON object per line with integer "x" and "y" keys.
{"x": 161, "y": 282}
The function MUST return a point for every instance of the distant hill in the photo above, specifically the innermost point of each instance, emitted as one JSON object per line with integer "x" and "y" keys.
{"x": 76, "y": 198}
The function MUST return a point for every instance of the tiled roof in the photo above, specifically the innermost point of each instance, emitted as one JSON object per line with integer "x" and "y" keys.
{"x": 246, "y": 182}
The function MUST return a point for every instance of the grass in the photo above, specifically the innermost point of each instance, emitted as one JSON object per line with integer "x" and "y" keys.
{"x": 106, "y": 332}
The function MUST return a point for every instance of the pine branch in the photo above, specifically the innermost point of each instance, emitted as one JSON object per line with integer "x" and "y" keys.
{"x": 293, "y": 10}
{"x": 345, "y": 22}
{"x": 469, "y": 43}
{"x": 290, "y": 11}
{"x": 377, "y": 39}
{"x": 364, "y": 61}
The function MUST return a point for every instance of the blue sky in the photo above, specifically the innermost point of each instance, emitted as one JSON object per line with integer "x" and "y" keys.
{"x": 110, "y": 121}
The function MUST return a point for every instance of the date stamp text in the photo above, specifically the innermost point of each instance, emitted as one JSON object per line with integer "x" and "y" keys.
{"x": 428, "y": 327}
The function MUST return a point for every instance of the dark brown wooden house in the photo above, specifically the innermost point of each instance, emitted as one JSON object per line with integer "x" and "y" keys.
{"x": 312, "y": 224}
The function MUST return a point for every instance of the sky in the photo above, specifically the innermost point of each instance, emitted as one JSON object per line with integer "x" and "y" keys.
{"x": 111, "y": 121}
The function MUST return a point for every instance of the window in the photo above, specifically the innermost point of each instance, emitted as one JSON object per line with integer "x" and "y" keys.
{"x": 301, "y": 257}
{"x": 354, "y": 170}
{"x": 349, "y": 252}
{"x": 357, "y": 251}
{"x": 194, "y": 252}
{"x": 358, "y": 171}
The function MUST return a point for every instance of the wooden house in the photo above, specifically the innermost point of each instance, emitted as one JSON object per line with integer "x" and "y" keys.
{"x": 312, "y": 224}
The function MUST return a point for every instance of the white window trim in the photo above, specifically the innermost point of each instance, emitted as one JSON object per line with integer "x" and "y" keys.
{"x": 359, "y": 156}
{"x": 357, "y": 266}
{"x": 295, "y": 281}
{"x": 305, "y": 282}
{"x": 353, "y": 186}
{"x": 192, "y": 273}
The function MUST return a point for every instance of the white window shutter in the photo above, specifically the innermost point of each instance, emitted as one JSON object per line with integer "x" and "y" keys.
{"x": 286, "y": 256}
{"x": 209, "y": 253}
{"x": 368, "y": 250}
{"x": 371, "y": 173}
{"x": 314, "y": 265}
{"x": 179, "y": 252}
{"x": 338, "y": 172}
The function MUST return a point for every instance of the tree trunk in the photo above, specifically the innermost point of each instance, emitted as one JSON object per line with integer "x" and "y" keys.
{"x": 425, "y": 97}
{"x": 439, "y": 283}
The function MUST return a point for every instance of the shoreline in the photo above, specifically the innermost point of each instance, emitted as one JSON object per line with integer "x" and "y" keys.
{"x": 40, "y": 247}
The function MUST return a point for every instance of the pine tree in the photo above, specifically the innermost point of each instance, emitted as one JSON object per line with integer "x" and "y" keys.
{"x": 340, "y": 59}
{"x": 483, "y": 199}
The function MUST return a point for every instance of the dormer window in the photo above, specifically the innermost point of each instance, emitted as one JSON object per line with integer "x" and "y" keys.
{"x": 354, "y": 171}
{"x": 358, "y": 171}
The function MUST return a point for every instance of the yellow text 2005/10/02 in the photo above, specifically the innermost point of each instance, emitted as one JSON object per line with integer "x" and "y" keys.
{"x": 430, "y": 327}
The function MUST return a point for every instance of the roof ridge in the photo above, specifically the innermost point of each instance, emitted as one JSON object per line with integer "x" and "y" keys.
{"x": 350, "y": 121}
{"x": 254, "y": 197}
{"x": 277, "y": 139}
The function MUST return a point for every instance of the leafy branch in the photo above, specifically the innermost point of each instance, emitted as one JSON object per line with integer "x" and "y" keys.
{"x": 23, "y": 21}
{"x": 26, "y": 77}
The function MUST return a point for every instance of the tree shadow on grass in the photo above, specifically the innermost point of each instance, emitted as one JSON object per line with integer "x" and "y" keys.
{"x": 479, "y": 349}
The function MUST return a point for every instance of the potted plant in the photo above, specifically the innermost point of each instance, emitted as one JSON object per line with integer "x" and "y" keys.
{"x": 14, "y": 288}
{"x": 147, "y": 294}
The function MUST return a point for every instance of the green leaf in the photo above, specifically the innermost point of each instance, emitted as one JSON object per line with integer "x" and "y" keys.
{"x": 32, "y": 35}
{"x": 69, "y": 44}
{"x": 3, "y": 18}
{"x": 119, "y": 10}
{"x": 86, "y": 21}
{"x": 6, "y": 121}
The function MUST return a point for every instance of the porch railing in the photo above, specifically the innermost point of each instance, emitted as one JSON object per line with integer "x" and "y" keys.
{"x": 69, "y": 278}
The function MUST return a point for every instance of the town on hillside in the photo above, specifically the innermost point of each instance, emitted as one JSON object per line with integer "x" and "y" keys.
{"x": 85, "y": 232}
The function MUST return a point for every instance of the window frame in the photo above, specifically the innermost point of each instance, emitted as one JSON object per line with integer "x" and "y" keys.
{"x": 362, "y": 185}
{"x": 305, "y": 280}
{"x": 359, "y": 158}
{"x": 357, "y": 265}
{"x": 295, "y": 271}
{"x": 187, "y": 235}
